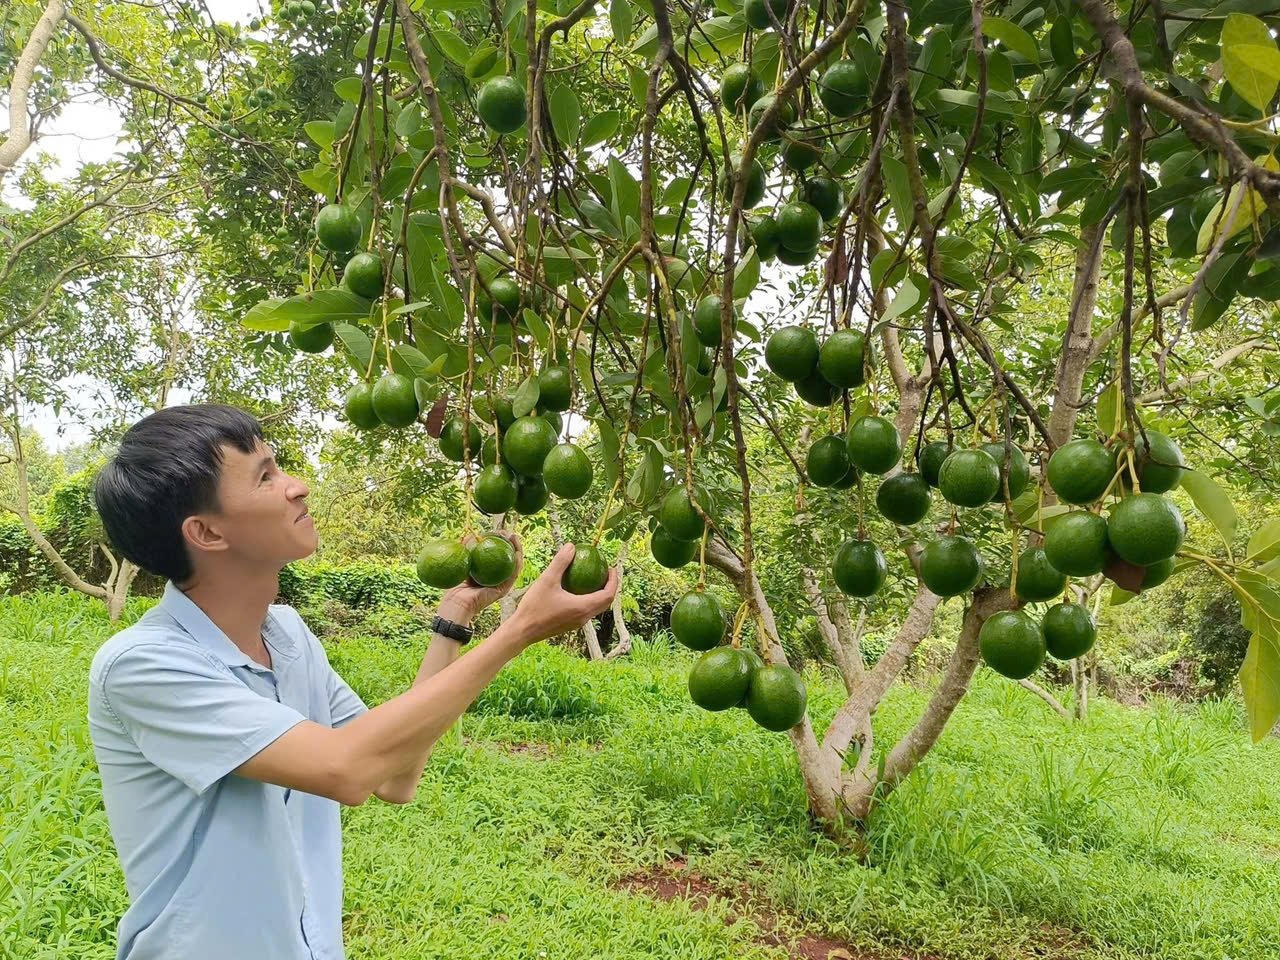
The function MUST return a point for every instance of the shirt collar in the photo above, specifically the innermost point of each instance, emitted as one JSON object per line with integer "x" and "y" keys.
{"x": 207, "y": 633}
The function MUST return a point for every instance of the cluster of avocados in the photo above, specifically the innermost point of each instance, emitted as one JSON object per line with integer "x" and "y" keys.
{"x": 819, "y": 372}
{"x": 491, "y": 560}
{"x": 731, "y": 676}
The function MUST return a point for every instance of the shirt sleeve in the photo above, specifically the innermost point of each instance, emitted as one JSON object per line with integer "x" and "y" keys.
{"x": 188, "y": 714}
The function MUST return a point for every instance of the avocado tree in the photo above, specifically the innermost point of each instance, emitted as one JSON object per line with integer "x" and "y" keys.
{"x": 940, "y": 273}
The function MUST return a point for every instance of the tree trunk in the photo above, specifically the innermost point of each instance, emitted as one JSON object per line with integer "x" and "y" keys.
{"x": 623, "y": 646}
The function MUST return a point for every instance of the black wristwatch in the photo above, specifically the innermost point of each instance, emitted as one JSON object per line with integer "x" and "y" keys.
{"x": 454, "y": 631}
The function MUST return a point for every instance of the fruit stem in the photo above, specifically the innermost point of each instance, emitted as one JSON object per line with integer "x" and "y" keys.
{"x": 702, "y": 560}
{"x": 604, "y": 514}
{"x": 1013, "y": 567}
{"x": 736, "y": 639}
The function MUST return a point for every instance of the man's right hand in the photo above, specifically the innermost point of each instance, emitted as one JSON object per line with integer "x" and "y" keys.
{"x": 547, "y": 609}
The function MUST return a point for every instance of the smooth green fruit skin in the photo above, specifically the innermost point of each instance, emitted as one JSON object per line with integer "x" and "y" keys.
{"x": 1159, "y": 461}
{"x": 451, "y": 440}
{"x": 843, "y": 88}
{"x": 503, "y": 412}
{"x": 494, "y": 490}
{"x": 313, "y": 339}
{"x": 801, "y": 149}
{"x": 786, "y": 113}
{"x": 740, "y": 87}
{"x": 758, "y": 14}
{"x": 527, "y": 443}
{"x": 588, "y": 571}
{"x": 493, "y": 561}
{"x": 753, "y": 192}
{"x": 719, "y": 679}
{"x": 796, "y": 258}
{"x": 904, "y": 499}
{"x": 1157, "y": 573}
{"x": 1076, "y": 543}
{"x": 501, "y": 105}
{"x": 363, "y": 275}
{"x": 338, "y": 228}
{"x": 505, "y": 293}
{"x": 358, "y": 406}
{"x": 1012, "y": 644}
{"x": 799, "y": 226}
{"x": 792, "y": 353}
{"x": 531, "y": 495}
{"x": 1069, "y": 630}
{"x": 969, "y": 478}
{"x": 1145, "y": 528}
{"x": 489, "y": 452}
{"x": 555, "y": 390}
{"x": 827, "y": 462}
{"x": 706, "y": 321}
{"x": 567, "y": 471}
{"x": 825, "y": 195}
{"x": 394, "y": 401}
{"x": 1038, "y": 579}
{"x": 1080, "y": 471}
{"x": 932, "y": 455}
{"x": 443, "y": 563}
{"x": 678, "y": 516}
{"x": 764, "y": 234}
{"x": 670, "y": 552}
{"x": 776, "y": 697}
{"x": 698, "y": 621}
{"x": 816, "y": 390}
{"x": 757, "y": 663}
{"x": 873, "y": 445}
{"x": 950, "y": 566}
{"x": 842, "y": 357}
{"x": 859, "y": 568}
{"x": 1019, "y": 470}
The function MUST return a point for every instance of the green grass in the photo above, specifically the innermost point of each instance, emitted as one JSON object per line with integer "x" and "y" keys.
{"x": 1145, "y": 833}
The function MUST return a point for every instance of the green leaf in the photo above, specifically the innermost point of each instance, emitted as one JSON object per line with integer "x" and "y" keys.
{"x": 1250, "y": 60}
{"x": 481, "y": 62}
{"x": 526, "y": 397}
{"x": 1119, "y": 595}
{"x": 1062, "y": 43}
{"x": 1012, "y": 36}
{"x": 408, "y": 360}
{"x": 537, "y": 326}
{"x": 410, "y": 120}
{"x": 600, "y": 127}
{"x": 908, "y": 297}
{"x": 321, "y": 132}
{"x": 324, "y": 306}
{"x": 746, "y": 275}
{"x": 1260, "y": 683}
{"x": 348, "y": 88}
{"x": 1248, "y": 208}
{"x": 621, "y": 19}
{"x": 1212, "y": 501}
{"x": 262, "y": 316}
{"x": 452, "y": 45}
{"x": 599, "y": 216}
{"x": 1264, "y": 545}
{"x": 626, "y": 192}
{"x": 566, "y": 115}
{"x": 895, "y": 178}
{"x": 609, "y": 448}
{"x": 358, "y": 346}
{"x": 1110, "y": 409}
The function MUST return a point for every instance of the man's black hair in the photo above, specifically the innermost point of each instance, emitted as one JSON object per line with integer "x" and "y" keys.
{"x": 167, "y": 469}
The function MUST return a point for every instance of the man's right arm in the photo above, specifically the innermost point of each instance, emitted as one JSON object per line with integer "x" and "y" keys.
{"x": 349, "y": 763}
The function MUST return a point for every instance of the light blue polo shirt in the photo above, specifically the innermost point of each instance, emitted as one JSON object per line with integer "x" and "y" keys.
{"x": 219, "y": 867}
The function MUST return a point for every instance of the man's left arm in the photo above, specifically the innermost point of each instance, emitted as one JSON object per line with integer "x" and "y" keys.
{"x": 441, "y": 652}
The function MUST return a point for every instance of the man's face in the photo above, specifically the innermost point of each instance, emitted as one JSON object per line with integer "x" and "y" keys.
{"x": 263, "y": 518}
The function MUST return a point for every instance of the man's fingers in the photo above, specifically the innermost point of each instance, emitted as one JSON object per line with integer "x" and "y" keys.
{"x": 602, "y": 599}
{"x": 560, "y": 562}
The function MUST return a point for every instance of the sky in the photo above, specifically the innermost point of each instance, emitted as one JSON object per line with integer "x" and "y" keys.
{"x": 82, "y": 132}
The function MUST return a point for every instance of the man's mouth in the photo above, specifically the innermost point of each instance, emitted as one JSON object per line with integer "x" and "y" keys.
{"x": 306, "y": 515}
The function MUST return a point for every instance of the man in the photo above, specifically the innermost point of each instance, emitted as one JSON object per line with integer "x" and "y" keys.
{"x": 224, "y": 739}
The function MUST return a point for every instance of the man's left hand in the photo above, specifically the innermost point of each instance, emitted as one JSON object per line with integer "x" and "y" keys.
{"x": 461, "y": 603}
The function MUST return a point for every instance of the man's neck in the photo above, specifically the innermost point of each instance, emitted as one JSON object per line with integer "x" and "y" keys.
{"x": 237, "y": 604}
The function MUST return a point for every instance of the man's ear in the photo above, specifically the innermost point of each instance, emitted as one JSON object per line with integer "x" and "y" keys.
{"x": 202, "y": 535}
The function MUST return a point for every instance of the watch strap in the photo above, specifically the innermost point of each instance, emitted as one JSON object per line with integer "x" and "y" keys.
{"x": 452, "y": 630}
